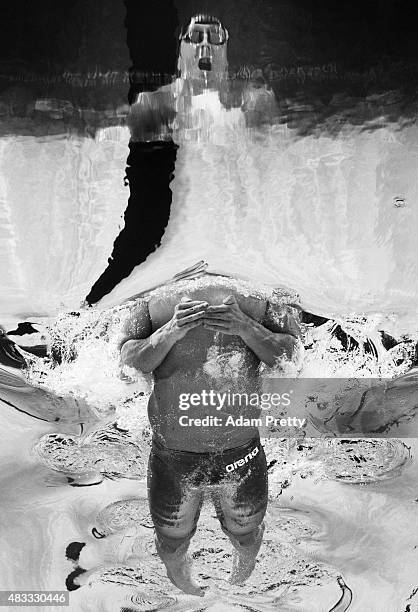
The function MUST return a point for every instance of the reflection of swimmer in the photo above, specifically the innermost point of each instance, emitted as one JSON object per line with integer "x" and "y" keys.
{"x": 202, "y": 67}
{"x": 34, "y": 401}
{"x": 202, "y": 64}
{"x": 172, "y": 114}
{"x": 372, "y": 407}
{"x": 44, "y": 405}
{"x": 173, "y": 333}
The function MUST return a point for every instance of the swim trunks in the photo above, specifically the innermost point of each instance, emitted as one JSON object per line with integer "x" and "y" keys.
{"x": 235, "y": 478}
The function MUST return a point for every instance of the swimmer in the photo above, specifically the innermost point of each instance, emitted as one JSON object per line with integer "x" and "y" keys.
{"x": 194, "y": 107}
{"x": 202, "y": 66}
{"x": 194, "y": 334}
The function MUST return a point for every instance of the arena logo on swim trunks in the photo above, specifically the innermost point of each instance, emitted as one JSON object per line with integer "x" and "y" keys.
{"x": 240, "y": 462}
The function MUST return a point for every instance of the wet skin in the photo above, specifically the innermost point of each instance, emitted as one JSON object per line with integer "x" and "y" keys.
{"x": 212, "y": 351}
{"x": 195, "y": 334}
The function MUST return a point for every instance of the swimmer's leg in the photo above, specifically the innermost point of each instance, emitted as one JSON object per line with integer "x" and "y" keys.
{"x": 175, "y": 500}
{"x": 240, "y": 502}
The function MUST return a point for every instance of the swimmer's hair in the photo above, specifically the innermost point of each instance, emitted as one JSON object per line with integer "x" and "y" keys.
{"x": 205, "y": 18}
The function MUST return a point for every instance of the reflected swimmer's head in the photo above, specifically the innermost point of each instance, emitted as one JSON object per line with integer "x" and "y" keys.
{"x": 203, "y": 50}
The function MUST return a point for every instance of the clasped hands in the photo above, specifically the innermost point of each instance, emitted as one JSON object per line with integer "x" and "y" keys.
{"x": 227, "y": 318}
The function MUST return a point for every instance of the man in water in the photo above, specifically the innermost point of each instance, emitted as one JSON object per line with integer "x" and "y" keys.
{"x": 196, "y": 106}
{"x": 202, "y": 67}
{"x": 196, "y": 335}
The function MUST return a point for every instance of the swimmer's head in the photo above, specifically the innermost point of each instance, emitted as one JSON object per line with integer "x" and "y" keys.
{"x": 202, "y": 54}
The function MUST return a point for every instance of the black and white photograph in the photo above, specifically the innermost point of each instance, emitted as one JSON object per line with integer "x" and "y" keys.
{"x": 209, "y": 306}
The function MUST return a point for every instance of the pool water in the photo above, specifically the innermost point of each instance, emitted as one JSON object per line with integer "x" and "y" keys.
{"x": 315, "y": 214}
{"x": 330, "y": 519}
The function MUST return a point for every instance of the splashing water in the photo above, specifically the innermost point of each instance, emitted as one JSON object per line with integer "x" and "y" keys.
{"x": 86, "y": 342}
{"x": 320, "y": 204}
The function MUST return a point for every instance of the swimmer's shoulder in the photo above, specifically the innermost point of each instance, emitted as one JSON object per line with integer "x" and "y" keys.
{"x": 283, "y": 312}
{"x": 253, "y": 305}
{"x": 161, "y": 305}
{"x": 136, "y": 322}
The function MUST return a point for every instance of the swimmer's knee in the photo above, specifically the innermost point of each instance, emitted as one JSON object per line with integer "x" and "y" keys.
{"x": 172, "y": 539}
{"x": 242, "y": 520}
{"x": 245, "y": 536}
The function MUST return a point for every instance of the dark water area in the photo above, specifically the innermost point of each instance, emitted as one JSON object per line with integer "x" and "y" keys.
{"x": 149, "y": 172}
{"x": 89, "y": 59}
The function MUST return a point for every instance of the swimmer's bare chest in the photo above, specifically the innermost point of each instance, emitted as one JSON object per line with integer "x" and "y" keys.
{"x": 202, "y": 360}
{"x": 188, "y": 357}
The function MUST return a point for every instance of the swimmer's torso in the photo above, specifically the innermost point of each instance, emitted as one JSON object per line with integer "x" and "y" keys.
{"x": 189, "y": 114}
{"x": 203, "y": 360}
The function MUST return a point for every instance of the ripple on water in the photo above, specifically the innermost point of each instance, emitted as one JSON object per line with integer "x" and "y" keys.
{"x": 270, "y": 585}
{"x": 111, "y": 451}
{"x": 145, "y": 603}
{"x": 366, "y": 460}
{"x": 123, "y": 514}
{"x": 351, "y": 461}
{"x": 149, "y": 595}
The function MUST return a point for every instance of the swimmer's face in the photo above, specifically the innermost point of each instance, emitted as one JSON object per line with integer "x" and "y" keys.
{"x": 203, "y": 52}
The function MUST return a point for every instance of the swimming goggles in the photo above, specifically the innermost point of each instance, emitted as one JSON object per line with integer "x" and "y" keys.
{"x": 215, "y": 34}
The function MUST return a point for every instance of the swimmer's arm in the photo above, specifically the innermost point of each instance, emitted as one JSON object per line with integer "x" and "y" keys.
{"x": 267, "y": 345}
{"x": 272, "y": 339}
{"x": 139, "y": 347}
{"x": 143, "y": 350}
{"x": 276, "y": 337}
